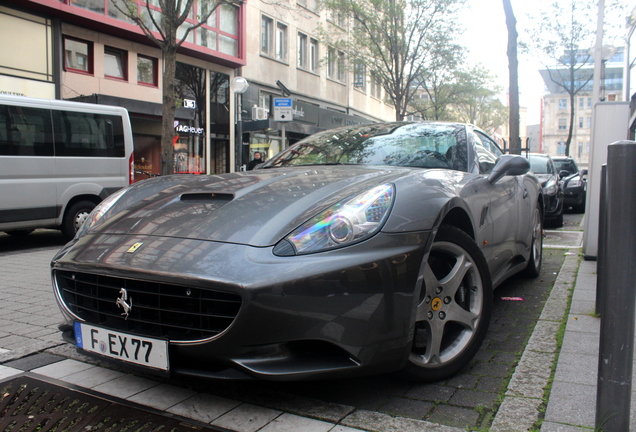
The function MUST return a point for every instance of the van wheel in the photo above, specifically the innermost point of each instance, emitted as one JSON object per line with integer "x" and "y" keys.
{"x": 75, "y": 216}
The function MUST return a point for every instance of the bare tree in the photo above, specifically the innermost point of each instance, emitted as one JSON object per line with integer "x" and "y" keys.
{"x": 161, "y": 28}
{"x": 564, "y": 34}
{"x": 395, "y": 39}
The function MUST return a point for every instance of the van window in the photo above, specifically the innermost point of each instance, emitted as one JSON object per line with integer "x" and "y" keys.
{"x": 87, "y": 134}
{"x": 25, "y": 131}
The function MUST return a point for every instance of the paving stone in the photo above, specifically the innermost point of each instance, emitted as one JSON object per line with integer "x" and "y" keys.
{"x": 378, "y": 422}
{"x": 247, "y": 418}
{"x": 34, "y": 361}
{"x": 491, "y": 384}
{"x": 454, "y": 416}
{"x": 474, "y": 399}
{"x": 431, "y": 392}
{"x": 516, "y": 415}
{"x": 410, "y": 408}
{"x": 292, "y": 423}
{"x": 203, "y": 407}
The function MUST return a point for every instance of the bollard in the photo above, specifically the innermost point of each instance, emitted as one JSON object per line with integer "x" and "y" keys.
{"x": 613, "y": 396}
{"x": 602, "y": 242}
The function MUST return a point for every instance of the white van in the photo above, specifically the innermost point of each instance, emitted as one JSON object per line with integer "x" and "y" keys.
{"x": 58, "y": 160}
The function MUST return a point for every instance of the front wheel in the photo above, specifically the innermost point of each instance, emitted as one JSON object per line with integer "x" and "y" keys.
{"x": 454, "y": 307}
{"x": 75, "y": 216}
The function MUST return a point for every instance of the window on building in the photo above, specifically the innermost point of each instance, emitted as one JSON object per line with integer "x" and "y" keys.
{"x": 281, "y": 42}
{"x": 563, "y": 124}
{"x": 581, "y": 103}
{"x": 589, "y": 122}
{"x": 115, "y": 63}
{"x": 611, "y": 97}
{"x": 313, "y": 55}
{"x": 302, "y": 51}
{"x": 561, "y": 148}
{"x": 360, "y": 75}
{"x": 581, "y": 122}
{"x": 587, "y": 147}
{"x": 563, "y": 104}
{"x": 376, "y": 86}
{"x": 309, "y": 4}
{"x": 147, "y": 70}
{"x": 337, "y": 17}
{"x": 267, "y": 35}
{"x": 78, "y": 55}
{"x": 335, "y": 65}
{"x": 340, "y": 61}
{"x": 580, "y": 149}
{"x": 589, "y": 102}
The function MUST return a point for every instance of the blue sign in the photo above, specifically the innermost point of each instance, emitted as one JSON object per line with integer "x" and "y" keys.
{"x": 282, "y": 103}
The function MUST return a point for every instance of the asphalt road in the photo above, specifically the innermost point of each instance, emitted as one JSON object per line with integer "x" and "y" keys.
{"x": 468, "y": 400}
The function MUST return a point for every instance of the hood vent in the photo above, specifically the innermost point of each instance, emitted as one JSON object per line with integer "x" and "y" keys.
{"x": 207, "y": 198}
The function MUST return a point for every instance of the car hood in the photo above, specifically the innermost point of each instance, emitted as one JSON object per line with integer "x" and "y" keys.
{"x": 544, "y": 178}
{"x": 257, "y": 207}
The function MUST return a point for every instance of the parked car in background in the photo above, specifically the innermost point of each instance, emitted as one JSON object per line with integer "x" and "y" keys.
{"x": 58, "y": 160}
{"x": 544, "y": 168}
{"x": 364, "y": 249}
{"x": 574, "y": 182}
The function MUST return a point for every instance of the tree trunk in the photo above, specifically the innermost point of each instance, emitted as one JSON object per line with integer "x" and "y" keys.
{"x": 167, "y": 122}
{"x": 513, "y": 65}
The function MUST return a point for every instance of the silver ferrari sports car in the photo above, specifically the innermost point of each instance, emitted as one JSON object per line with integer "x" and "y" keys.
{"x": 359, "y": 250}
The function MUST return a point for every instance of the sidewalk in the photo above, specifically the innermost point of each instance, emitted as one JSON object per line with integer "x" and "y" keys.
{"x": 571, "y": 404}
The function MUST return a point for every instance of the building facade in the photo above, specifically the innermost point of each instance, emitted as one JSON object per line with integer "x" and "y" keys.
{"x": 88, "y": 51}
{"x": 555, "y": 120}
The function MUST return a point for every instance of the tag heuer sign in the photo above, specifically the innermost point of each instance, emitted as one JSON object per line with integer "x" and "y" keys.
{"x": 283, "y": 110}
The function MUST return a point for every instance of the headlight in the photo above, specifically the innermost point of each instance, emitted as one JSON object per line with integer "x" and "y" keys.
{"x": 550, "y": 188}
{"x": 344, "y": 223}
{"x": 574, "y": 183}
{"x": 98, "y": 212}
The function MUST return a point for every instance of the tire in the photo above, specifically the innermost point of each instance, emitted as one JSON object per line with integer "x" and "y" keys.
{"x": 535, "y": 259}
{"x": 558, "y": 221}
{"x": 453, "y": 310}
{"x": 75, "y": 216}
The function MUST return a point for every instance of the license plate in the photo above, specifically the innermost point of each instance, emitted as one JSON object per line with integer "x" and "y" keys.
{"x": 122, "y": 346}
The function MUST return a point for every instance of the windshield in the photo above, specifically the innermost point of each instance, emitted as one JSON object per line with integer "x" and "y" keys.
{"x": 540, "y": 165}
{"x": 422, "y": 145}
{"x": 566, "y": 165}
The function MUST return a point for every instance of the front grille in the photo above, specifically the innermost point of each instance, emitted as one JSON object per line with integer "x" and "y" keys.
{"x": 160, "y": 310}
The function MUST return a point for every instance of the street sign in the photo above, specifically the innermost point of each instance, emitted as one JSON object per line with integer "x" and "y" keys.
{"x": 283, "y": 109}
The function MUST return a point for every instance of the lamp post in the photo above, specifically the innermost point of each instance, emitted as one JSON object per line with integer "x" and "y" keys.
{"x": 239, "y": 86}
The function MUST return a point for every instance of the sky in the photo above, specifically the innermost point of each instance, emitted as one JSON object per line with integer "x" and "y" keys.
{"x": 486, "y": 36}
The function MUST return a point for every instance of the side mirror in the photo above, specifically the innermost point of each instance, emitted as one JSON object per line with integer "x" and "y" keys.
{"x": 509, "y": 165}
{"x": 583, "y": 172}
{"x": 563, "y": 173}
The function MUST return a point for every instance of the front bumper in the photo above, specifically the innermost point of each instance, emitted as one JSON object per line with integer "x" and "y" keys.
{"x": 330, "y": 314}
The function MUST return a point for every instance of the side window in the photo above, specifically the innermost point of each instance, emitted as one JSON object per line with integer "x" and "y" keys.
{"x": 487, "y": 159}
{"x": 490, "y": 145}
{"x": 25, "y": 131}
{"x": 87, "y": 134}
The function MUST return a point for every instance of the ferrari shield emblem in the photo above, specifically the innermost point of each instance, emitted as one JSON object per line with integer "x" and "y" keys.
{"x": 134, "y": 247}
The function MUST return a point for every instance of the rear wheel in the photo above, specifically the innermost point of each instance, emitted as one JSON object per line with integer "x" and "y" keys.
{"x": 536, "y": 250}
{"x": 75, "y": 216}
{"x": 454, "y": 307}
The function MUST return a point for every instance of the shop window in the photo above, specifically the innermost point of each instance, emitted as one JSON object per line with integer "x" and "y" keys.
{"x": 115, "y": 63}
{"x": 78, "y": 55}
{"x": 147, "y": 71}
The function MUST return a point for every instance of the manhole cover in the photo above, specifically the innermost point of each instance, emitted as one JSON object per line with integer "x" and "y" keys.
{"x": 28, "y": 404}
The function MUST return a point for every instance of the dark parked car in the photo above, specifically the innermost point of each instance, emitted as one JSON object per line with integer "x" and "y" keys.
{"x": 358, "y": 250}
{"x": 545, "y": 170}
{"x": 574, "y": 182}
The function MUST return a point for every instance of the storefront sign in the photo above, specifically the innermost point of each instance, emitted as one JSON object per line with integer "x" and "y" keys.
{"x": 188, "y": 129}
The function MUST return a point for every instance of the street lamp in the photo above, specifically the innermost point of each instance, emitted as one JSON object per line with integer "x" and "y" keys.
{"x": 239, "y": 86}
